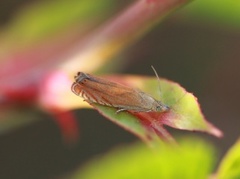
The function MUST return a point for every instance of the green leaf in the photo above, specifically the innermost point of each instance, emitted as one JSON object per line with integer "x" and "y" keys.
{"x": 223, "y": 12}
{"x": 185, "y": 112}
{"x": 48, "y": 17}
{"x": 13, "y": 118}
{"x": 230, "y": 165}
{"x": 193, "y": 158}
{"x": 127, "y": 121}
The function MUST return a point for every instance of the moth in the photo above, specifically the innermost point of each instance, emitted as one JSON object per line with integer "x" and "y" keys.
{"x": 104, "y": 92}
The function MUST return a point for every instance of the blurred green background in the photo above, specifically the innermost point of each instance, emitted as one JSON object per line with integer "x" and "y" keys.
{"x": 198, "y": 47}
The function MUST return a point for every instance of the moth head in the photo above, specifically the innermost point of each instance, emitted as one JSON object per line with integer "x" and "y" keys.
{"x": 160, "y": 107}
{"x": 76, "y": 76}
{"x": 80, "y": 77}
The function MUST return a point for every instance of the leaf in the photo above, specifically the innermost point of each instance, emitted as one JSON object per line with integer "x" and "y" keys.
{"x": 222, "y": 12}
{"x": 185, "y": 112}
{"x": 128, "y": 122}
{"x": 230, "y": 165}
{"x": 45, "y": 18}
{"x": 193, "y": 158}
{"x": 13, "y": 118}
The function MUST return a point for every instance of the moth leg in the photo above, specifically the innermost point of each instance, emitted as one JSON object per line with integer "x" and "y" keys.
{"x": 120, "y": 110}
{"x": 136, "y": 111}
{"x": 88, "y": 101}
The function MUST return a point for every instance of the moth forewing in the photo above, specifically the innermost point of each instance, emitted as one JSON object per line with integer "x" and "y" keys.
{"x": 105, "y": 92}
{"x": 117, "y": 96}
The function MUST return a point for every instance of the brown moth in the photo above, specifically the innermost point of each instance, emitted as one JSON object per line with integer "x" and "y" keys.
{"x": 101, "y": 91}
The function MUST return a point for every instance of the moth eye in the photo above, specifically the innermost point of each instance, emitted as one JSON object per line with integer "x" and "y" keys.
{"x": 158, "y": 108}
{"x": 82, "y": 81}
{"x": 76, "y": 76}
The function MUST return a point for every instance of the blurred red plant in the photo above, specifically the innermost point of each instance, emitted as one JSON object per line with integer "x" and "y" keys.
{"x": 42, "y": 74}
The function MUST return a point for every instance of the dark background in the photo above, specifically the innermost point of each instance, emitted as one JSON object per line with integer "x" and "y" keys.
{"x": 202, "y": 58}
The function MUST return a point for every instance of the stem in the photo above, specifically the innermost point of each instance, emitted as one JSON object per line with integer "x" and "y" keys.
{"x": 119, "y": 33}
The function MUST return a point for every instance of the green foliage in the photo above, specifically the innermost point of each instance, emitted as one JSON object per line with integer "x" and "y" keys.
{"x": 17, "y": 117}
{"x": 193, "y": 158}
{"x": 230, "y": 166}
{"x": 125, "y": 120}
{"x": 45, "y": 18}
{"x": 222, "y": 12}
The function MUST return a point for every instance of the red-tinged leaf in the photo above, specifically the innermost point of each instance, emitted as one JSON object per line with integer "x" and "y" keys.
{"x": 184, "y": 113}
{"x": 185, "y": 110}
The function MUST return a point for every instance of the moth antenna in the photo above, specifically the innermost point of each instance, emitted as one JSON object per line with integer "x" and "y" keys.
{"x": 159, "y": 83}
{"x": 160, "y": 91}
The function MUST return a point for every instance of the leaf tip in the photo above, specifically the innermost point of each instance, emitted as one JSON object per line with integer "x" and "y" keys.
{"x": 215, "y": 131}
